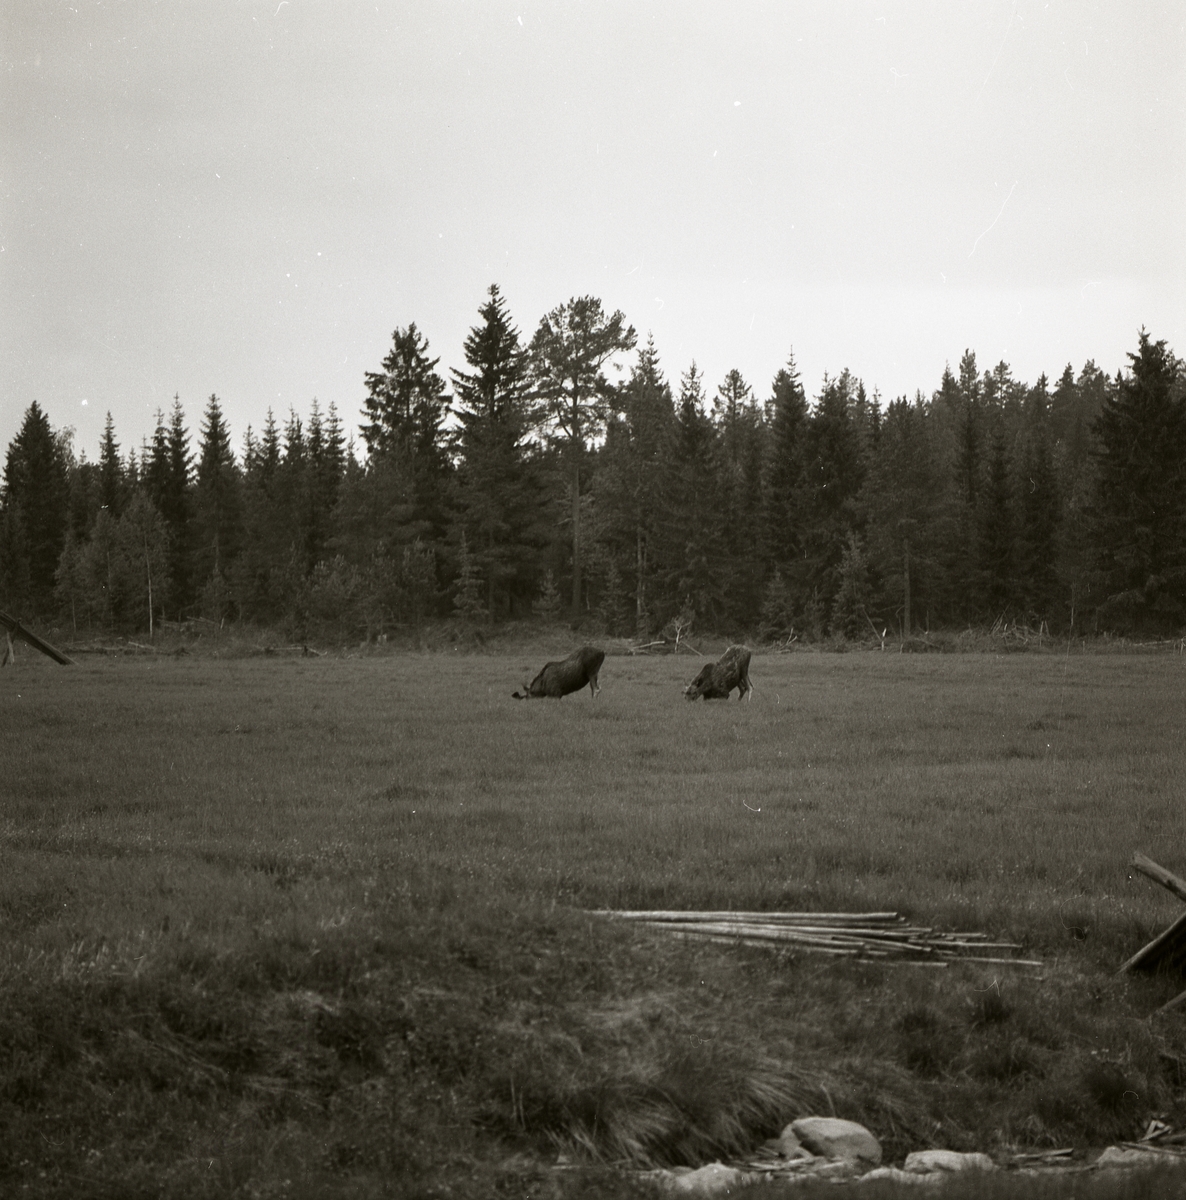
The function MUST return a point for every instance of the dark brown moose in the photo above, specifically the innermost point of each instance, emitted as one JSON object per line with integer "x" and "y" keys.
{"x": 559, "y": 678}
{"x": 716, "y": 680}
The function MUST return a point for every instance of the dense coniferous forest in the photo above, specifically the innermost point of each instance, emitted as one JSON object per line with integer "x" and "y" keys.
{"x": 536, "y": 482}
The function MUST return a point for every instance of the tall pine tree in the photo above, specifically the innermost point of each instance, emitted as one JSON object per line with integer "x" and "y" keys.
{"x": 900, "y": 499}
{"x": 697, "y": 570}
{"x": 112, "y": 485}
{"x": 834, "y": 469}
{"x": 1039, "y": 512}
{"x": 633, "y": 474}
{"x": 498, "y": 492}
{"x": 34, "y": 510}
{"x": 405, "y": 405}
{"x": 996, "y": 591}
{"x": 742, "y": 440}
{"x": 1140, "y": 509}
{"x": 784, "y": 486}
{"x": 568, "y": 353}
{"x": 218, "y": 514}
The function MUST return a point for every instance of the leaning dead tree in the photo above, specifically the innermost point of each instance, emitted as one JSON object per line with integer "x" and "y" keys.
{"x": 14, "y": 629}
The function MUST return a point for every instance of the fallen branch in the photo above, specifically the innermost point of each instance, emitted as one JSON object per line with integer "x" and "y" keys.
{"x": 647, "y": 647}
{"x": 1044, "y": 1155}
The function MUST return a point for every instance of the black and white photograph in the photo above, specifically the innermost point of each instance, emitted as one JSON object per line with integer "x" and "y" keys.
{"x": 592, "y": 599}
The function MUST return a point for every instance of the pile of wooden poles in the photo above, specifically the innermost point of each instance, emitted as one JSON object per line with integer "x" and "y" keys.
{"x": 879, "y": 936}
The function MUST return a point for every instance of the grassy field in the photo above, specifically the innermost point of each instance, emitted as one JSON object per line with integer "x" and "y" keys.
{"x": 317, "y": 926}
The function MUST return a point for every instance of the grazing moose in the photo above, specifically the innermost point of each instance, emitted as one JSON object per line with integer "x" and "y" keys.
{"x": 559, "y": 678}
{"x": 716, "y": 680}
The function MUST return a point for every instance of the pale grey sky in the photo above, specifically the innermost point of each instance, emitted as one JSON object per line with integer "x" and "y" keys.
{"x": 247, "y": 198}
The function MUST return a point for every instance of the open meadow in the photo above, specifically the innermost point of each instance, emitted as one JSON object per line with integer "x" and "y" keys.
{"x": 319, "y": 926}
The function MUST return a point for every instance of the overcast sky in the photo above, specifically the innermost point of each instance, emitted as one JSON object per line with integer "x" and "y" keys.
{"x": 247, "y": 199}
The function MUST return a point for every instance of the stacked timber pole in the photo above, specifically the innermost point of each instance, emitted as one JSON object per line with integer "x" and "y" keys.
{"x": 13, "y": 628}
{"x": 875, "y": 936}
{"x": 1167, "y": 951}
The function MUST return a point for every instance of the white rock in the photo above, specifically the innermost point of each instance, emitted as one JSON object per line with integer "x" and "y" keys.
{"x": 710, "y": 1181}
{"x": 834, "y": 1169}
{"x": 788, "y": 1145}
{"x": 834, "y": 1138}
{"x": 1118, "y": 1156}
{"x": 899, "y": 1176}
{"x": 927, "y": 1162}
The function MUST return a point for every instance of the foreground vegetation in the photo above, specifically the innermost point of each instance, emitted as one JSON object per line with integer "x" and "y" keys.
{"x": 319, "y": 926}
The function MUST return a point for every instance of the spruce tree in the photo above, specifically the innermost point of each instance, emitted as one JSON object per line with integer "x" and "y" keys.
{"x": 697, "y": 573}
{"x": 1074, "y": 405}
{"x": 406, "y": 401}
{"x": 34, "y": 511}
{"x": 742, "y": 439}
{"x": 155, "y": 473}
{"x": 1038, "y": 534}
{"x": 996, "y": 592}
{"x": 632, "y": 476}
{"x": 1140, "y": 503}
{"x": 218, "y": 512}
{"x": 900, "y": 500}
{"x": 268, "y": 457}
{"x": 175, "y": 503}
{"x": 834, "y": 469}
{"x": 959, "y": 446}
{"x": 497, "y": 488}
{"x": 849, "y": 605}
{"x": 405, "y": 405}
{"x": 467, "y": 595}
{"x": 331, "y": 463}
{"x": 141, "y": 544}
{"x": 783, "y": 499}
{"x": 263, "y": 576}
{"x": 84, "y": 504}
{"x": 1038, "y": 509}
{"x": 324, "y": 468}
{"x": 112, "y": 488}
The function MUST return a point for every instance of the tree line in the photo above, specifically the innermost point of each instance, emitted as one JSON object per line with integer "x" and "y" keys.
{"x": 540, "y": 482}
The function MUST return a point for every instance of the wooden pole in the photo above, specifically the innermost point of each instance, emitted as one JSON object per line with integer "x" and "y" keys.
{"x": 1158, "y": 943}
{"x": 692, "y": 915}
{"x": 1159, "y": 874}
{"x": 16, "y": 629}
{"x": 884, "y": 936}
{"x": 1176, "y": 1002}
